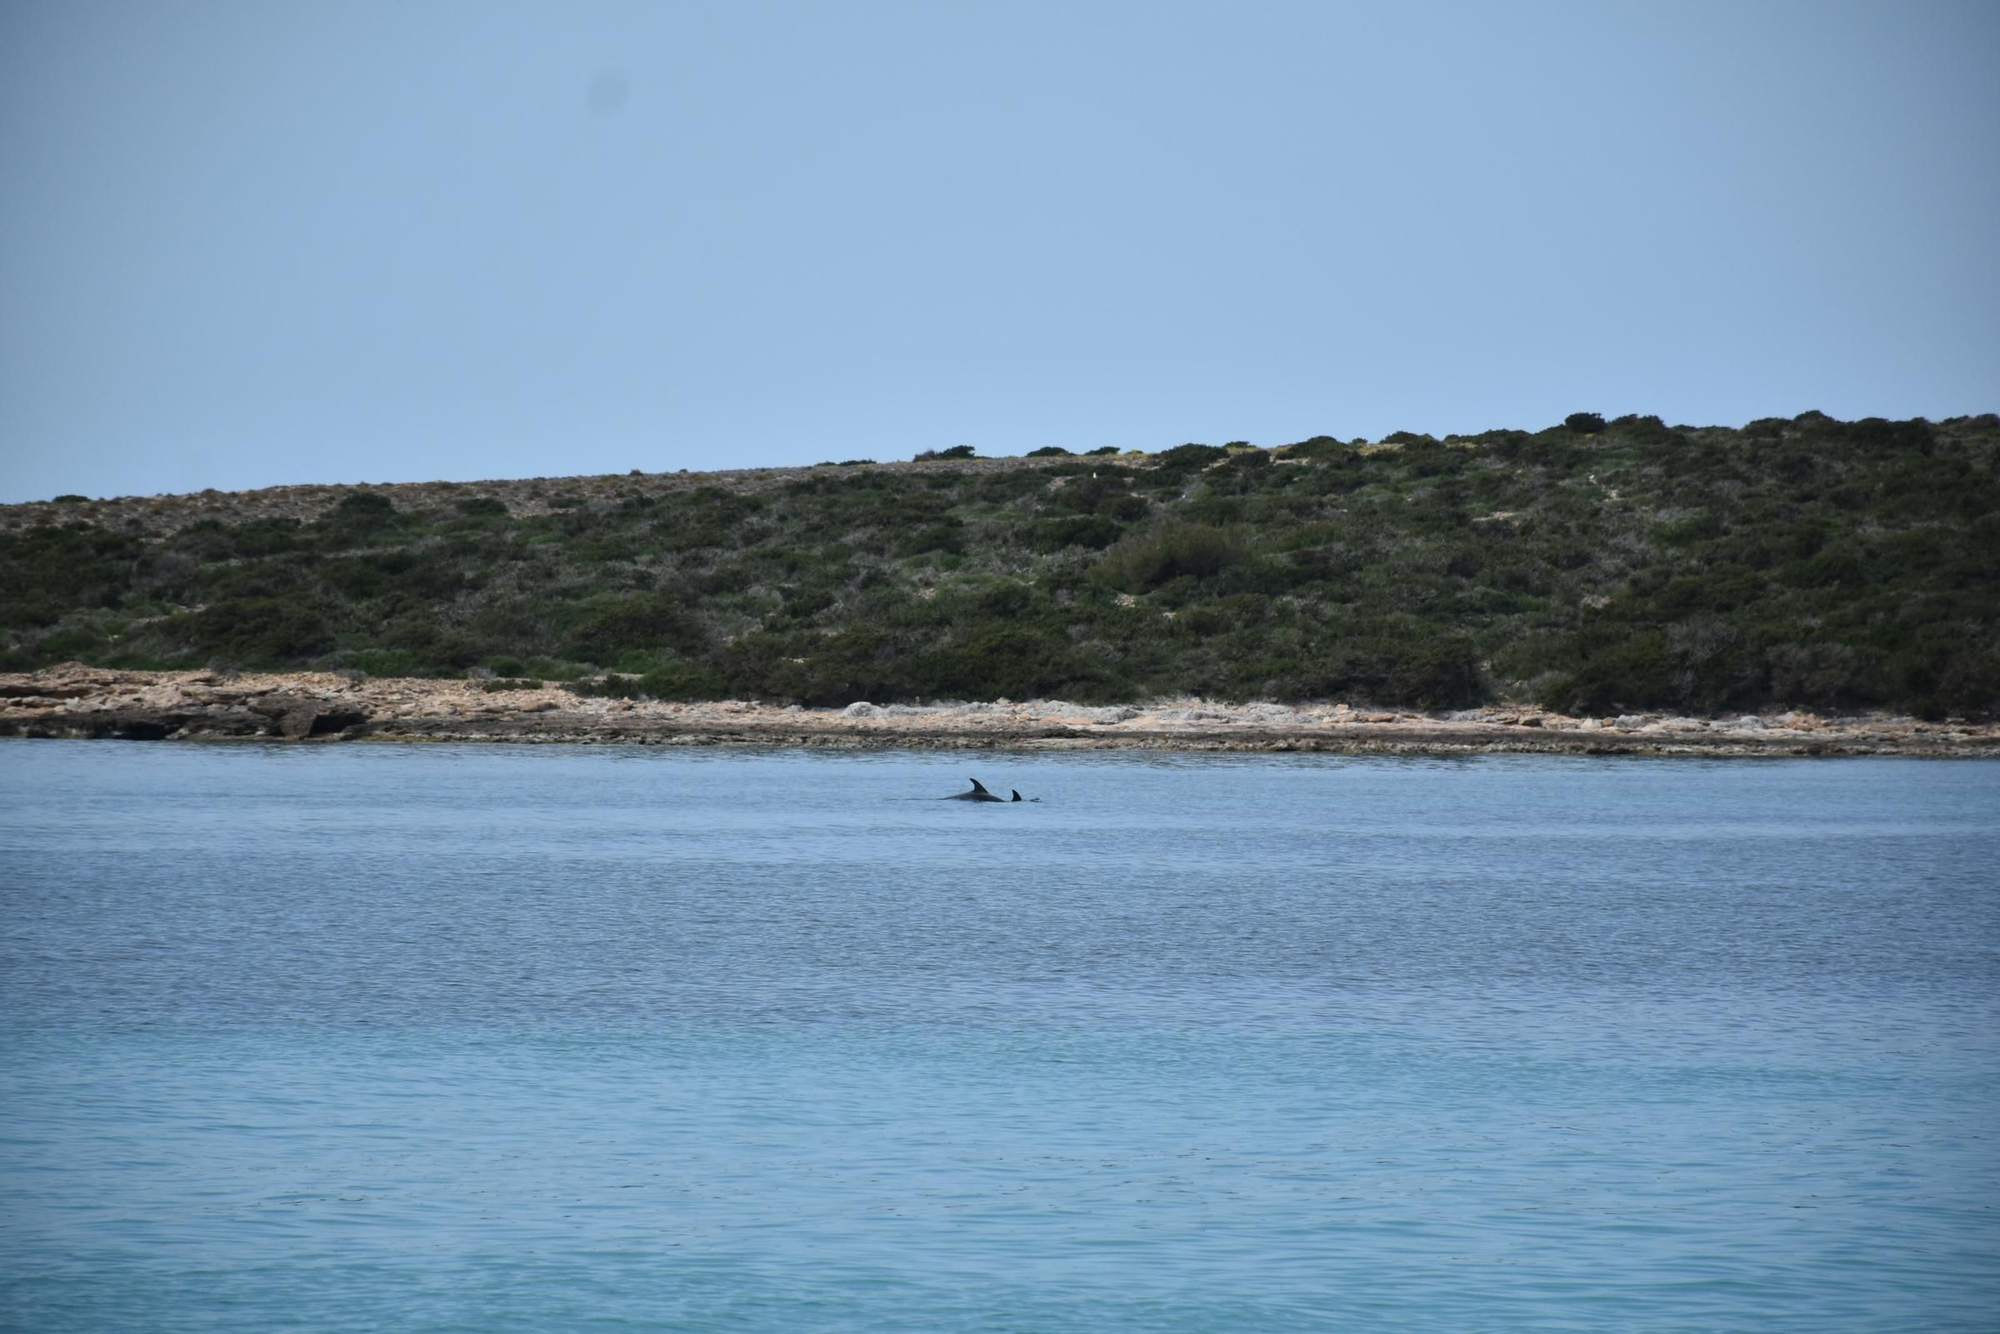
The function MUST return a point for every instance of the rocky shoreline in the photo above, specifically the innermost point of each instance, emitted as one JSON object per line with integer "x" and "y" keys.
{"x": 78, "y": 701}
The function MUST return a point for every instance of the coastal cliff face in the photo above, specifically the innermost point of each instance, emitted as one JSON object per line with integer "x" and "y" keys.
{"x": 73, "y": 700}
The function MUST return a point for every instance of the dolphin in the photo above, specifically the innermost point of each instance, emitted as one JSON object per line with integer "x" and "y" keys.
{"x": 978, "y": 793}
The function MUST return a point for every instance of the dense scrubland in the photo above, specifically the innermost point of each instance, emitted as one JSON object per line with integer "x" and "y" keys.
{"x": 1591, "y": 567}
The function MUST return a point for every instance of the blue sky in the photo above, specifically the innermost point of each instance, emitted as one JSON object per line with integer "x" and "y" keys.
{"x": 246, "y": 244}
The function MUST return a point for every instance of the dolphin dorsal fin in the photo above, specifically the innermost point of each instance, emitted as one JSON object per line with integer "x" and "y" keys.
{"x": 977, "y": 786}
{"x": 1017, "y": 794}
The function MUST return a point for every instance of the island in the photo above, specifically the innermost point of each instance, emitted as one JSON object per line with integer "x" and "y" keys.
{"x": 1795, "y": 585}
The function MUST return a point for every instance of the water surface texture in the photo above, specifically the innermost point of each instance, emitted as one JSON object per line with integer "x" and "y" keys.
{"x": 538, "y": 1039}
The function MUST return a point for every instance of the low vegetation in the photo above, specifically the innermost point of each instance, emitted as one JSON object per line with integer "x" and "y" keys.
{"x": 1593, "y": 566}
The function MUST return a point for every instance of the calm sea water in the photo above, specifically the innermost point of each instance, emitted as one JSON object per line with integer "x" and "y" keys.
{"x": 539, "y": 1039}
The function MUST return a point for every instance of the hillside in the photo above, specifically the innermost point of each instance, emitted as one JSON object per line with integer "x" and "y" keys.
{"x": 1589, "y": 567}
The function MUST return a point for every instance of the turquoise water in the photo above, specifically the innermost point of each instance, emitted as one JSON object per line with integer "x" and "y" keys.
{"x": 540, "y": 1039}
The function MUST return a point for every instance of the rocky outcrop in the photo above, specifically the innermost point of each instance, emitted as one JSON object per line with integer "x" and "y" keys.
{"x": 297, "y": 716}
{"x": 78, "y": 701}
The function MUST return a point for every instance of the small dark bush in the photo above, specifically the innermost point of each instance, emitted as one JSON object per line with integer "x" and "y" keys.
{"x": 606, "y": 687}
{"x": 265, "y": 537}
{"x": 608, "y": 627}
{"x": 364, "y": 505}
{"x": 1319, "y": 447}
{"x": 1584, "y": 423}
{"x": 1634, "y": 674}
{"x": 1049, "y": 452}
{"x": 1189, "y": 458}
{"x": 1438, "y": 675}
{"x": 1169, "y": 551}
{"x": 948, "y": 538}
{"x": 1091, "y": 532}
{"x": 255, "y": 632}
{"x": 1876, "y": 435}
{"x": 430, "y": 575}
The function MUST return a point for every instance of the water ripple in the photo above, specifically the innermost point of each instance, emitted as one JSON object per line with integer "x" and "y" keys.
{"x": 521, "y": 1039}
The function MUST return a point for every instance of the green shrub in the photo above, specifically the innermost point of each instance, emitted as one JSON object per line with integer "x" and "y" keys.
{"x": 1205, "y": 621}
{"x": 1318, "y": 448}
{"x": 427, "y": 576}
{"x": 1090, "y": 532}
{"x": 1190, "y": 458}
{"x": 1633, "y": 675}
{"x": 1083, "y": 495}
{"x": 607, "y": 687}
{"x": 78, "y": 642}
{"x": 947, "y": 538}
{"x": 1435, "y": 674}
{"x": 605, "y": 627}
{"x": 1006, "y": 662}
{"x": 255, "y": 632}
{"x": 265, "y": 537}
{"x": 1167, "y": 551}
{"x": 1874, "y": 435}
{"x": 364, "y": 508}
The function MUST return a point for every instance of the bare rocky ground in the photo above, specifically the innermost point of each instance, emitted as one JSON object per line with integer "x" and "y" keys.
{"x": 72, "y": 700}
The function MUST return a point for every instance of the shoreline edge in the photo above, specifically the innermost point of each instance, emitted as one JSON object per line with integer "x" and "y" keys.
{"x": 72, "y": 700}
